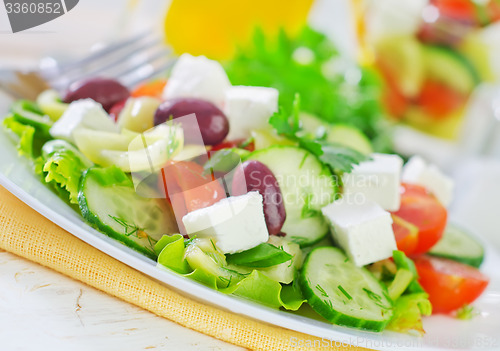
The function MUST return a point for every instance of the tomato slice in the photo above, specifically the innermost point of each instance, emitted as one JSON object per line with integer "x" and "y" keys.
{"x": 469, "y": 12}
{"x": 153, "y": 88}
{"x": 188, "y": 188}
{"x": 425, "y": 212}
{"x": 438, "y": 100}
{"x": 457, "y": 9}
{"x": 450, "y": 284}
{"x": 406, "y": 235}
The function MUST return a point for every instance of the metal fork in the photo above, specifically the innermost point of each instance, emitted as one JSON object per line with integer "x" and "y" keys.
{"x": 130, "y": 61}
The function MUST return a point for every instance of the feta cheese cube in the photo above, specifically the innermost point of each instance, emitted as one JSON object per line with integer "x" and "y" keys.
{"x": 82, "y": 114}
{"x": 249, "y": 108}
{"x": 197, "y": 77}
{"x": 364, "y": 231}
{"x": 377, "y": 180}
{"x": 235, "y": 223}
{"x": 418, "y": 171}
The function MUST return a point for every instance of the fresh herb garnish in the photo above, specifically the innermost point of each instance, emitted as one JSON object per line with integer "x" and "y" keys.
{"x": 376, "y": 298}
{"x": 331, "y": 88}
{"x": 340, "y": 287}
{"x": 223, "y": 160}
{"x": 337, "y": 157}
{"x": 321, "y": 290}
{"x": 263, "y": 255}
{"x": 466, "y": 312}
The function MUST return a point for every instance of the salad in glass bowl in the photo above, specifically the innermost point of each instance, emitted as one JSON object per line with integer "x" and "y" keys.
{"x": 432, "y": 55}
{"x": 219, "y": 184}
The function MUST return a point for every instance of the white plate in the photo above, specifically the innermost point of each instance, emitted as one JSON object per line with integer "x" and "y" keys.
{"x": 442, "y": 332}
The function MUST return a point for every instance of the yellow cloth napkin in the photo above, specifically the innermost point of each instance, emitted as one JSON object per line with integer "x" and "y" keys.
{"x": 26, "y": 233}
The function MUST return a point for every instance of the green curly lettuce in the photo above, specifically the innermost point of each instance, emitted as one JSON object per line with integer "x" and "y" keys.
{"x": 62, "y": 165}
{"x": 28, "y": 127}
{"x": 254, "y": 286}
{"x": 330, "y": 87}
{"x": 23, "y": 135}
{"x": 408, "y": 312}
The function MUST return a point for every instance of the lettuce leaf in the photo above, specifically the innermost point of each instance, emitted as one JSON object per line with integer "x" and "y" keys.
{"x": 310, "y": 65}
{"x": 403, "y": 262}
{"x": 29, "y": 128}
{"x": 254, "y": 286}
{"x": 23, "y": 134}
{"x": 408, "y": 312}
{"x": 414, "y": 301}
{"x": 62, "y": 166}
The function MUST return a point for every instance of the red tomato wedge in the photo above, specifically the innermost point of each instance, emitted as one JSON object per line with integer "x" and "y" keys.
{"x": 153, "y": 88}
{"x": 188, "y": 188}
{"x": 467, "y": 11}
{"x": 406, "y": 235}
{"x": 425, "y": 212}
{"x": 450, "y": 284}
{"x": 458, "y": 9}
{"x": 438, "y": 100}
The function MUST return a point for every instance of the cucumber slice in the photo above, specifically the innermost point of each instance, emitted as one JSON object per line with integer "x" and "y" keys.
{"x": 342, "y": 134}
{"x": 306, "y": 184}
{"x": 450, "y": 67}
{"x": 264, "y": 138}
{"x": 108, "y": 201}
{"x": 343, "y": 293}
{"x": 351, "y": 137}
{"x": 456, "y": 244}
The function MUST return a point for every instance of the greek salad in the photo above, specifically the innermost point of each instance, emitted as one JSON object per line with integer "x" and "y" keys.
{"x": 217, "y": 183}
{"x": 432, "y": 66}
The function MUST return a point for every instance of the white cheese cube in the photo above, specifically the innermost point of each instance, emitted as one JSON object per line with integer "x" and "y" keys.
{"x": 197, "y": 77}
{"x": 82, "y": 114}
{"x": 363, "y": 231}
{"x": 235, "y": 223}
{"x": 417, "y": 171}
{"x": 377, "y": 180}
{"x": 249, "y": 108}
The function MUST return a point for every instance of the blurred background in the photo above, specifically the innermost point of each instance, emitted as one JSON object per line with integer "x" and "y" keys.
{"x": 414, "y": 76}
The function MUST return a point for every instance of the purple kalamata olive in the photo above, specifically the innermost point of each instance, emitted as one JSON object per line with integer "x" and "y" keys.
{"x": 105, "y": 91}
{"x": 212, "y": 122}
{"x": 255, "y": 176}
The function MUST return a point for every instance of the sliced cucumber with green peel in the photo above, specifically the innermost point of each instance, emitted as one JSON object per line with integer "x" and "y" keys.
{"x": 351, "y": 137}
{"x": 450, "y": 67}
{"x": 306, "y": 185}
{"x": 108, "y": 201}
{"x": 456, "y": 244}
{"x": 343, "y": 293}
{"x": 342, "y": 134}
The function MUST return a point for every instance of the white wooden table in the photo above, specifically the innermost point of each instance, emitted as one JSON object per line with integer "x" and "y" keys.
{"x": 41, "y": 309}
